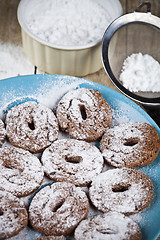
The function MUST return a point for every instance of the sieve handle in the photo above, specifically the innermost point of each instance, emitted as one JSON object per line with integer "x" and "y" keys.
{"x": 147, "y": 3}
{"x": 154, "y": 112}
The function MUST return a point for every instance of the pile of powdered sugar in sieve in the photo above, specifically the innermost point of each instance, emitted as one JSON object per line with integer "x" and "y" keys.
{"x": 140, "y": 73}
{"x": 68, "y": 22}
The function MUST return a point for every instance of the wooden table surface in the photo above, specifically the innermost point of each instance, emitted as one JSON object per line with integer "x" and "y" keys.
{"x": 10, "y": 31}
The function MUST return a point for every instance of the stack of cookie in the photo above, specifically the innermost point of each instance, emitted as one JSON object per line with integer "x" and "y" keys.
{"x": 73, "y": 162}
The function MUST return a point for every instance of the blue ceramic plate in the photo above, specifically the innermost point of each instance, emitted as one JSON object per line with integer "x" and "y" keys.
{"x": 48, "y": 89}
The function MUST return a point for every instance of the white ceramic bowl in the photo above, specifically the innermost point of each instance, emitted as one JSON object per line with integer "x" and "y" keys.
{"x": 65, "y": 60}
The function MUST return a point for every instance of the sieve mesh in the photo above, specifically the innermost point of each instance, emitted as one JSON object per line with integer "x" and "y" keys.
{"x": 133, "y": 38}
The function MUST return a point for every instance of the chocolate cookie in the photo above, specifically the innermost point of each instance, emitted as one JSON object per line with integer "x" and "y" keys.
{"x": 2, "y": 132}
{"x": 72, "y": 161}
{"x": 84, "y": 114}
{"x": 20, "y": 171}
{"x": 31, "y": 126}
{"x": 130, "y": 145}
{"x": 57, "y": 209}
{"x": 111, "y": 226}
{"x": 13, "y": 215}
{"x": 123, "y": 190}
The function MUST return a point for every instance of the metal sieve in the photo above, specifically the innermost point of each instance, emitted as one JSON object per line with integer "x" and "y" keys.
{"x": 137, "y": 32}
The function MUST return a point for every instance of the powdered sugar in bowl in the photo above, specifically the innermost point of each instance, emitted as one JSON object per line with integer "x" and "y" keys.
{"x": 64, "y": 36}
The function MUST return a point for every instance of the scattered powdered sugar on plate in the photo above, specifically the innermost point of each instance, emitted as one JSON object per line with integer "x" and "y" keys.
{"x": 118, "y": 117}
{"x": 26, "y": 234}
{"x": 136, "y": 217}
{"x": 47, "y": 94}
{"x": 50, "y": 94}
{"x": 76, "y": 23}
{"x": 10, "y": 100}
{"x": 141, "y": 73}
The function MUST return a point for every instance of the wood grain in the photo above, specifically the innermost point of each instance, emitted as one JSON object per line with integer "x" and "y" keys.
{"x": 9, "y": 27}
{"x": 131, "y": 5}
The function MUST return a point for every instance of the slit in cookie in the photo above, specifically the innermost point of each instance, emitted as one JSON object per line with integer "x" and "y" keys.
{"x": 58, "y": 205}
{"x": 73, "y": 159}
{"x": 31, "y": 125}
{"x": 131, "y": 142}
{"x": 121, "y": 187}
{"x": 107, "y": 231}
{"x": 1, "y": 212}
{"x": 83, "y": 112}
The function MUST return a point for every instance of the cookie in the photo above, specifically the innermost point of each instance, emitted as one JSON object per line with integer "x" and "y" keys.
{"x": 57, "y": 209}
{"x": 51, "y": 238}
{"x": 123, "y": 190}
{"x": 130, "y": 145}
{"x": 13, "y": 215}
{"x": 21, "y": 172}
{"x": 72, "y": 161}
{"x": 2, "y": 132}
{"x": 84, "y": 114}
{"x": 111, "y": 226}
{"x": 31, "y": 126}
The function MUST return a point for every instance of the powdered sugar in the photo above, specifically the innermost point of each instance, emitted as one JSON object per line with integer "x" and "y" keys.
{"x": 13, "y": 216}
{"x": 27, "y": 234}
{"x": 22, "y": 118}
{"x": 130, "y": 145}
{"x": 84, "y": 113}
{"x": 68, "y": 22}
{"x": 71, "y": 160}
{"x": 105, "y": 191}
{"x": 60, "y": 208}
{"x": 21, "y": 172}
{"x": 13, "y": 61}
{"x": 49, "y": 95}
{"x": 111, "y": 225}
{"x": 141, "y": 73}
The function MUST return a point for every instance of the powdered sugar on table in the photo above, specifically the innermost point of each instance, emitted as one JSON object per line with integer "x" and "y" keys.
{"x": 13, "y": 61}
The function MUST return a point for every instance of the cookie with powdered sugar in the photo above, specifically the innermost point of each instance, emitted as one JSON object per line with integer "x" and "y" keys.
{"x": 130, "y": 145}
{"x": 84, "y": 114}
{"x": 73, "y": 161}
{"x": 108, "y": 226}
{"x": 13, "y": 215}
{"x": 21, "y": 172}
{"x": 31, "y": 126}
{"x": 124, "y": 190}
{"x": 57, "y": 209}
